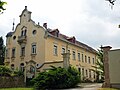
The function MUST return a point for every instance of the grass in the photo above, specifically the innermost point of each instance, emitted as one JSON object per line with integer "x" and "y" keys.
{"x": 16, "y": 89}
{"x": 108, "y": 89}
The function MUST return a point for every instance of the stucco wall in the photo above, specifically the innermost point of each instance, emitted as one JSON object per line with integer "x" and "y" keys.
{"x": 114, "y": 66}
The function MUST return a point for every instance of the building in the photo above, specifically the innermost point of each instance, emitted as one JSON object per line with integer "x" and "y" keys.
{"x": 32, "y": 48}
{"x": 111, "y": 67}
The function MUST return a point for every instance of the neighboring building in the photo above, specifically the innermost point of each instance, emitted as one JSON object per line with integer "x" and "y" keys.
{"x": 32, "y": 47}
{"x": 112, "y": 66}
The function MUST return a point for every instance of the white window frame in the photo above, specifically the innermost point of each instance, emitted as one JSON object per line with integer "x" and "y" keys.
{"x": 22, "y": 51}
{"x": 63, "y": 50}
{"x": 55, "y": 50}
{"x": 78, "y": 56}
{"x": 34, "y": 48}
{"x": 73, "y": 54}
{"x": 89, "y": 60}
{"x": 82, "y": 57}
{"x": 13, "y": 52}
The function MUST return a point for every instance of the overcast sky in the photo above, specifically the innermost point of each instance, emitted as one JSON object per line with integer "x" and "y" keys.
{"x": 92, "y": 22}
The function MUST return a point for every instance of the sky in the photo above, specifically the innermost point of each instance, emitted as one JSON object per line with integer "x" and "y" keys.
{"x": 92, "y": 22}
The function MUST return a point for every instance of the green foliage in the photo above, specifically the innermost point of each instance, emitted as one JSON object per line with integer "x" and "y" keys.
{"x": 57, "y": 78}
{"x": 2, "y": 51}
{"x": 99, "y": 68}
{"x": 17, "y": 73}
{"x": 5, "y": 71}
{"x": 1, "y": 6}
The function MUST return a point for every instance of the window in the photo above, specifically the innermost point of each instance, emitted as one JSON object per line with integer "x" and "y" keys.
{"x": 63, "y": 50}
{"x": 89, "y": 73}
{"x": 55, "y": 50}
{"x": 79, "y": 69}
{"x": 85, "y": 58}
{"x": 7, "y": 53}
{"x": 23, "y": 51}
{"x": 86, "y": 73}
{"x": 32, "y": 69}
{"x": 13, "y": 52}
{"x": 34, "y": 32}
{"x": 22, "y": 67}
{"x": 83, "y": 72}
{"x": 88, "y": 59}
{"x": 94, "y": 75}
{"x": 73, "y": 55}
{"x": 82, "y": 58}
{"x": 33, "y": 48}
{"x": 23, "y": 32}
{"x": 68, "y": 51}
{"x": 79, "y": 56}
{"x": 12, "y": 66}
{"x": 93, "y": 61}
{"x": 14, "y": 37}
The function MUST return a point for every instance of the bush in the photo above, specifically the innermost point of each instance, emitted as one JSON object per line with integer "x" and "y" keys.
{"x": 57, "y": 78}
{"x": 5, "y": 71}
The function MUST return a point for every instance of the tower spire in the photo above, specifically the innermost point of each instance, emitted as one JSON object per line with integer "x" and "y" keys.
{"x": 13, "y": 24}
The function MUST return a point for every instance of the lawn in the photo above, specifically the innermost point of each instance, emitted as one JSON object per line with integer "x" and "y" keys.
{"x": 16, "y": 89}
{"x": 107, "y": 89}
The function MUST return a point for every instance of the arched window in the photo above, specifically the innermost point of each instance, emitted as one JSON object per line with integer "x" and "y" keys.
{"x": 22, "y": 67}
{"x": 32, "y": 69}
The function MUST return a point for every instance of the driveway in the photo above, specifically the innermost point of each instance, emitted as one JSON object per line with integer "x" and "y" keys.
{"x": 87, "y": 86}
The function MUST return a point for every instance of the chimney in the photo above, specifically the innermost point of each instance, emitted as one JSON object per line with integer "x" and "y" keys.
{"x": 45, "y": 25}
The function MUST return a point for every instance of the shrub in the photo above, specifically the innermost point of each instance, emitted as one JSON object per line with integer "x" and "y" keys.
{"x": 57, "y": 78}
{"x": 4, "y": 71}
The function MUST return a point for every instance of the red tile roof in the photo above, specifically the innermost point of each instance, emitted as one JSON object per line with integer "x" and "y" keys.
{"x": 72, "y": 40}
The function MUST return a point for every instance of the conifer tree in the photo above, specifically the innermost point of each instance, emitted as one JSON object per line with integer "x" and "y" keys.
{"x": 2, "y": 51}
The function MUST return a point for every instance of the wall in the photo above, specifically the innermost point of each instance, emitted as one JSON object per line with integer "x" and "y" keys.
{"x": 114, "y": 67}
{"x": 50, "y": 57}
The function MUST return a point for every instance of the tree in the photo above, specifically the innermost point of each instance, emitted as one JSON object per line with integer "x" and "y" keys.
{"x": 2, "y": 51}
{"x": 1, "y": 6}
{"x": 99, "y": 66}
{"x": 111, "y": 1}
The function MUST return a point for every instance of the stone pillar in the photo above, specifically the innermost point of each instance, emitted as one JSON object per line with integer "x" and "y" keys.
{"x": 66, "y": 57}
{"x": 106, "y": 65}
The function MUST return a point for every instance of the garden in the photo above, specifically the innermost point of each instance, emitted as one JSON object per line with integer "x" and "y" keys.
{"x": 54, "y": 78}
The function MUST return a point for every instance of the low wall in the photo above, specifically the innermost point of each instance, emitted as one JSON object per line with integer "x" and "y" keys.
{"x": 9, "y": 82}
{"x": 115, "y": 85}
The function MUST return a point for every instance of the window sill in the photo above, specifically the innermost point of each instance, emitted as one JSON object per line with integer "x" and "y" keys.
{"x": 33, "y": 54}
{"x": 55, "y": 54}
{"x": 22, "y": 57}
{"x": 12, "y": 57}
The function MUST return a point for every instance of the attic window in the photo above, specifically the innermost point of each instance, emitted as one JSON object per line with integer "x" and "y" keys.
{"x": 24, "y": 15}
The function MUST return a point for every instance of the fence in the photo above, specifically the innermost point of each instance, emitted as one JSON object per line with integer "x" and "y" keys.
{"x": 9, "y": 82}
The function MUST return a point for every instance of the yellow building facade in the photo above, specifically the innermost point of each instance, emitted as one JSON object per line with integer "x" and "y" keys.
{"x": 38, "y": 46}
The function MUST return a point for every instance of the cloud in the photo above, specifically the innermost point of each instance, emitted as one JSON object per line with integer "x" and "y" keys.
{"x": 91, "y": 21}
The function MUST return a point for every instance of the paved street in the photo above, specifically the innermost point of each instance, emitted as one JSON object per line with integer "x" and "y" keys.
{"x": 89, "y": 86}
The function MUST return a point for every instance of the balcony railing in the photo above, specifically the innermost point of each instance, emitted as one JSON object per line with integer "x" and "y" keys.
{"x": 22, "y": 39}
